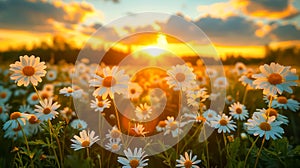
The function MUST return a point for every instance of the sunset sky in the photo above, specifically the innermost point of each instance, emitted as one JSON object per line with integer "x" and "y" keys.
{"x": 234, "y": 26}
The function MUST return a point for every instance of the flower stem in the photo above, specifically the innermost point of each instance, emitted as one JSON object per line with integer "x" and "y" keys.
{"x": 27, "y": 145}
{"x": 206, "y": 146}
{"x": 259, "y": 152}
{"x": 87, "y": 152}
{"x": 51, "y": 141}
{"x": 253, "y": 143}
{"x": 37, "y": 92}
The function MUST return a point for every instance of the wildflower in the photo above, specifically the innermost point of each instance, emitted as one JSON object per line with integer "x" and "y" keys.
{"x": 247, "y": 79}
{"x": 86, "y": 139}
{"x": 161, "y": 126}
{"x": 180, "y": 77}
{"x": 15, "y": 132}
{"x": 229, "y": 100}
{"x": 261, "y": 125}
{"x": 51, "y": 75}
{"x": 211, "y": 73}
{"x": 194, "y": 97}
{"x": 209, "y": 115}
{"x": 270, "y": 112}
{"x": 113, "y": 145}
{"x": 45, "y": 94}
{"x": 114, "y": 133}
{"x": 283, "y": 103}
{"x": 143, "y": 111}
{"x": 240, "y": 68}
{"x": 26, "y": 109}
{"x": 267, "y": 98}
{"x": 221, "y": 82}
{"x": 188, "y": 161}
{"x": 33, "y": 99}
{"x": 3, "y": 112}
{"x": 67, "y": 113}
{"x": 16, "y": 119}
{"x": 173, "y": 127}
{"x": 134, "y": 90}
{"x": 238, "y": 111}
{"x": 69, "y": 91}
{"x": 100, "y": 105}
{"x": 33, "y": 124}
{"x": 135, "y": 159}
{"x": 223, "y": 124}
{"x": 47, "y": 110}
{"x": 28, "y": 70}
{"x": 113, "y": 81}
{"x": 49, "y": 87}
{"x": 275, "y": 78}
{"x": 139, "y": 130}
{"x": 195, "y": 117}
{"x": 5, "y": 94}
{"x": 78, "y": 124}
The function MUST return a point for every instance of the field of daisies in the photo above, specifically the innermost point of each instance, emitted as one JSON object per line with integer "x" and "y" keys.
{"x": 54, "y": 115}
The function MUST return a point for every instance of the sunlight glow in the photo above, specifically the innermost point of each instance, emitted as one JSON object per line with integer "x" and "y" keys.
{"x": 157, "y": 49}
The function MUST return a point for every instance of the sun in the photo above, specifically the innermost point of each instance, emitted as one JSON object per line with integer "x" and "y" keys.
{"x": 158, "y": 48}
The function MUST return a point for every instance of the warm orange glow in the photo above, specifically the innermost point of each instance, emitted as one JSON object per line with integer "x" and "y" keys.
{"x": 158, "y": 48}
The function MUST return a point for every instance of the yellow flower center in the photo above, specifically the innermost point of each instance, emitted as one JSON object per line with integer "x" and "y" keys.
{"x": 46, "y": 110}
{"x": 85, "y": 144}
{"x": 188, "y": 164}
{"x": 100, "y": 104}
{"x": 238, "y": 110}
{"x": 282, "y": 100}
{"x": 34, "y": 97}
{"x": 265, "y": 126}
{"x": 115, "y": 134}
{"x": 114, "y": 147}
{"x": 180, "y": 77}
{"x": 145, "y": 111}
{"x": 33, "y": 120}
{"x": 109, "y": 81}
{"x": 240, "y": 68}
{"x": 209, "y": 115}
{"x": 272, "y": 112}
{"x": 221, "y": 82}
{"x": 275, "y": 78}
{"x": 44, "y": 95}
{"x": 200, "y": 78}
{"x": 3, "y": 95}
{"x": 70, "y": 90}
{"x": 223, "y": 122}
{"x": 132, "y": 91}
{"x": 15, "y": 115}
{"x": 134, "y": 163}
{"x": 173, "y": 125}
{"x": 162, "y": 123}
{"x": 28, "y": 71}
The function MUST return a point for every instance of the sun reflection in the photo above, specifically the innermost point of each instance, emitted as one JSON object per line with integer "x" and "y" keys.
{"x": 159, "y": 48}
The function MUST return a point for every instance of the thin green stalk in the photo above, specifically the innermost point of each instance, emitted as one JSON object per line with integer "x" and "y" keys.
{"x": 27, "y": 145}
{"x": 38, "y": 94}
{"x": 51, "y": 141}
{"x": 260, "y": 149}
{"x": 87, "y": 152}
{"x": 206, "y": 146}
{"x": 253, "y": 143}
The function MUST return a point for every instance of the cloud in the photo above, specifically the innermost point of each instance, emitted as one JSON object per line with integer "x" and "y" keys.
{"x": 272, "y": 9}
{"x": 286, "y": 32}
{"x": 234, "y": 30}
{"x": 220, "y": 9}
{"x": 41, "y": 15}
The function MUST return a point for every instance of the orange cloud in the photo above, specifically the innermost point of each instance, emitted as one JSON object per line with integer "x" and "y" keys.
{"x": 219, "y": 10}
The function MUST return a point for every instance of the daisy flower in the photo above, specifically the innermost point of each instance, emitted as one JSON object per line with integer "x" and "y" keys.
{"x": 267, "y": 98}
{"x": 5, "y": 94}
{"x": 180, "y": 77}
{"x": 78, "y": 124}
{"x": 275, "y": 78}
{"x": 194, "y": 97}
{"x": 33, "y": 98}
{"x": 135, "y": 159}
{"x": 49, "y": 87}
{"x": 247, "y": 79}
{"x": 26, "y": 109}
{"x": 67, "y": 113}
{"x": 173, "y": 127}
{"x": 273, "y": 112}
{"x": 28, "y": 70}
{"x": 229, "y": 100}
{"x": 134, "y": 90}
{"x": 16, "y": 119}
{"x": 261, "y": 125}
{"x": 283, "y": 103}
{"x": 100, "y": 105}
{"x": 15, "y": 132}
{"x": 143, "y": 111}
{"x": 113, "y": 145}
{"x": 161, "y": 126}
{"x": 188, "y": 161}
{"x": 51, "y": 75}
{"x": 194, "y": 118}
{"x": 221, "y": 82}
{"x": 223, "y": 124}
{"x": 113, "y": 81}
{"x": 33, "y": 125}
{"x": 85, "y": 140}
{"x": 69, "y": 91}
{"x": 45, "y": 94}
{"x": 211, "y": 73}
{"x": 238, "y": 111}
{"x": 47, "y": 110}
{"x": 139, "y": 130}
{"x": 240, "y": 68}
{"x": 114, "y": 133}
{"x": 209, "y": 115}
{"x": 3, "y": 112}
